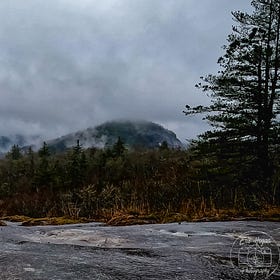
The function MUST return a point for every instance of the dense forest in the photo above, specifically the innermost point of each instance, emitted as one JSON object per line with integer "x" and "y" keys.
{"x": 101, "y": 183}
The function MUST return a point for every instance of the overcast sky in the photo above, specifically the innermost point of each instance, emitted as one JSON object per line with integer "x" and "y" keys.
{"x": 66, "y": 65}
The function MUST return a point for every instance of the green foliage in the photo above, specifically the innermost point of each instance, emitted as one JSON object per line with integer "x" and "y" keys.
{"x": 43, "y": 176}
{"x": 44, "y": 151}
{"x": 245, "y": 103}
{"x": 164, "y": 146}
{"x": 76, "y": 167}
{"x": 14, "y": 153}
{"x": 118, "y": 148}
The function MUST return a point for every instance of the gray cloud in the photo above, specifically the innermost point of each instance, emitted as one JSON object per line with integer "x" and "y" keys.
{"x": 67, "y": 65}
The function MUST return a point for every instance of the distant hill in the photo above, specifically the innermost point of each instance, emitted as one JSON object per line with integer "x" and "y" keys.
{"x": 6, "y": 142}
{"x": 135, "y": 134}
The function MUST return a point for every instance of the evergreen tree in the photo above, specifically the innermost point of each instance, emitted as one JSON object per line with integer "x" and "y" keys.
{"x": 30, "y": 162}
{"x": 44, "y": 151}
{"x": 164, "y": 146}
{"x": 44, "y": 171}
{"x": 244, "y": 111}
{"x": 15, "y": 153}
{"x": 76, "y": 166}
{"x": 16, "y": 168}
{"x": 118, "y": 148}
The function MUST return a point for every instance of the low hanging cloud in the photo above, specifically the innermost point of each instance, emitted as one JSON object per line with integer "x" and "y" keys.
{"x": 67, "y": 65}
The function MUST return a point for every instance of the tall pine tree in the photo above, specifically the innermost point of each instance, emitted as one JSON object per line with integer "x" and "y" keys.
{"x": 244, "y": 111}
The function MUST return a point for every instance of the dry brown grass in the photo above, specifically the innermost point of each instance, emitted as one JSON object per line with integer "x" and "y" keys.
{"x": 201, "y": 215}
{"x": 27, "y": 221}
{"x": 191, "y": 213}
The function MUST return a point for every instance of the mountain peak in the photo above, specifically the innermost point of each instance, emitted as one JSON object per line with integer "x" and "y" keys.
{"x": 135, "y": 134}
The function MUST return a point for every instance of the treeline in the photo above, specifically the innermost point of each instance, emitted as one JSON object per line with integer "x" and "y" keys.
{"x": 96, "y": 183}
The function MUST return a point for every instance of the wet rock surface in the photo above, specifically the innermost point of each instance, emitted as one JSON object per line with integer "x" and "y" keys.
{"x": 188, "y": 251}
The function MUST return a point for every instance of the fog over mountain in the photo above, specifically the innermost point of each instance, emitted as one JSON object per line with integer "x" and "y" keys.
{"x": 134, "y": 134}
{"x": 66, "y": 65}
{"x": 6, "y": 142}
